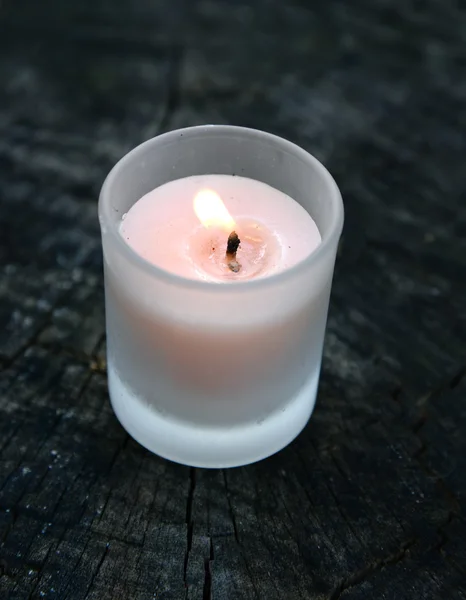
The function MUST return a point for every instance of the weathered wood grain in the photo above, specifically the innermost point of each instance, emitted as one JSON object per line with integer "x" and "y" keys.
{"x": 369, "y": 502}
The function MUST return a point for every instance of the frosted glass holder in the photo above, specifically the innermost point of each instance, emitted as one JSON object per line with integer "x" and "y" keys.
{"x": 207, "y": 374}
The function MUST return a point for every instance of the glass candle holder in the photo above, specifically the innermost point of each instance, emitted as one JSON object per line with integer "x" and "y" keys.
{"x": 208, "y": 374}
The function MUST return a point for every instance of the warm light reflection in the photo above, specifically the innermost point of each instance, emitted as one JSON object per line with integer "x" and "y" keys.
{"x": 211, "y": 211}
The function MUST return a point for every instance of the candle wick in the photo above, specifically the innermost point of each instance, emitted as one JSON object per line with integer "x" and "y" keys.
{"x": 233, "y": 244}
{"x": 232, "y": 247}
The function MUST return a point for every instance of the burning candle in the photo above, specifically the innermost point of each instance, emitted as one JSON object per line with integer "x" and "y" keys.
{"x": 185, "y": 227}
{"x": 217, "y": 289}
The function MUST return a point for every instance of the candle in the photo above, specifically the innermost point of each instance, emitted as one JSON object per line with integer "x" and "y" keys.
{"x": 217, "y": 289}
{"x": 183, "y": 226}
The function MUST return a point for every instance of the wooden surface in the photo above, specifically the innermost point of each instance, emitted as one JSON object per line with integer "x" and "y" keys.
{"x": 369, "y": 502}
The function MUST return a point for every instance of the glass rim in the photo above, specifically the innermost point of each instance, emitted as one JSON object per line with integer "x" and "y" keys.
{"x": 332, "y": 234}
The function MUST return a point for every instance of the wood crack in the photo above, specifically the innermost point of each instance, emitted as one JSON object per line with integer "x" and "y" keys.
{"x": 447, "y": 493}
{"x": 457, "y": 379}
{"x": 230, "y": 506}
{"x": 364, "y": 573}
{"x": 5, "y": 569}
{"x": 95, "y": 574}
{"x": 207, "y": 589}
{"x": 189, "y": 522}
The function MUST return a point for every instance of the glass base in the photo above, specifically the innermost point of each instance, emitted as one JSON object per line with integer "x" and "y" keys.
{"x": 211, "y": 447}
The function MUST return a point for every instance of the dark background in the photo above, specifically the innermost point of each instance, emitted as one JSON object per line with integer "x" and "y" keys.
{"x": 369, "y": 501}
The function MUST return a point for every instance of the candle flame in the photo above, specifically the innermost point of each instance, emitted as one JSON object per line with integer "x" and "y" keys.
{"x": 211, "y": 211}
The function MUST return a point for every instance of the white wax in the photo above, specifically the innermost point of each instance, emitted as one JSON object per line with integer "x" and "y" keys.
{"x": 275, "y": 231}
